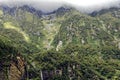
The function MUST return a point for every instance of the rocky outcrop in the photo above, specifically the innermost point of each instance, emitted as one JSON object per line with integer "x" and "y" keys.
{"x": 14, "y": 71}
{"x": 17, "y": 69}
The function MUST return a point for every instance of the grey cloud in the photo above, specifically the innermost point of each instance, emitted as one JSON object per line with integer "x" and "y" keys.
{"x": 49, "y": 5}
{"x": 46, "y": 6}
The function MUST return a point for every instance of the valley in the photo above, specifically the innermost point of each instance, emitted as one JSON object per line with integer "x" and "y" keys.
{"x": 65, "y": 44}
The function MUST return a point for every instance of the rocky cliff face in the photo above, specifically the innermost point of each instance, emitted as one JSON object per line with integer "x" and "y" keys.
{"x": 14, "y": 71}
{"x": 17, "y": 69}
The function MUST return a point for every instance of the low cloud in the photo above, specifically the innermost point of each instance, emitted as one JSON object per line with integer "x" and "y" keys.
{"x": 51, "y": 5}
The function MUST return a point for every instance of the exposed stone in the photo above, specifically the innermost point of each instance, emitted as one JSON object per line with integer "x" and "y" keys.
{"x": 119, "y": 45}
{"x": 17, "y": 69}
{"x": 59, "y": 46}
{"x": 14, "y": 71}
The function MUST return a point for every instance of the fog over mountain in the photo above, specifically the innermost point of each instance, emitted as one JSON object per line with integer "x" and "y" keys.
{"x": 51, "y": 5}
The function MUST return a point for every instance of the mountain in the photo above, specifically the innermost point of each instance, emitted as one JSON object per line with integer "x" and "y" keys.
{"x": 24, "y": 22}
{"x": 63, "y": 44}
{"x": 37, "y": 28}
{"x": 113, "y": 10}
{"x": 102, "y": 29}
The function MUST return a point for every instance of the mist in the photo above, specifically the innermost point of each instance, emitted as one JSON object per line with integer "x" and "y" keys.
{"x": 51, "y": 5}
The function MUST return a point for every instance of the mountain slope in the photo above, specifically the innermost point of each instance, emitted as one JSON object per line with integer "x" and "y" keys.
{"x": 64, "y": 44}
{"x": 34, "y": 27}
{"x": 95, "y": 31}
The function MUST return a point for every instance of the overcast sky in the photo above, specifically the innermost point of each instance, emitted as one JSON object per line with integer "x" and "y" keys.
{"x": 50, "y": 5}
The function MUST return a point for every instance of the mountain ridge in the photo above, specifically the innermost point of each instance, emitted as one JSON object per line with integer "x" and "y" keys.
{"x": 64, "y": 45}
{"x": 27, "y": 14}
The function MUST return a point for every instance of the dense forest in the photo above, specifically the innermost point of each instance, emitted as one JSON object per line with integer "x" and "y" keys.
{"x": 62, "y": 45}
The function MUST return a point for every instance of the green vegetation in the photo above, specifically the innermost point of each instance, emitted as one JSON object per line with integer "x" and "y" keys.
{"x": 84, "y": 62}
{"x": 88, "y": 47}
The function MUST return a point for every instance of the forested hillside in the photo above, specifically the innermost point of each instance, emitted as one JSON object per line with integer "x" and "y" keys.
{"x": 62, "y": 45}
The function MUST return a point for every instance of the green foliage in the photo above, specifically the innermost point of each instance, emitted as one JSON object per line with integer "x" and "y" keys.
{"x": 93, "y": 63}
{"x": 89, "y": 50}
